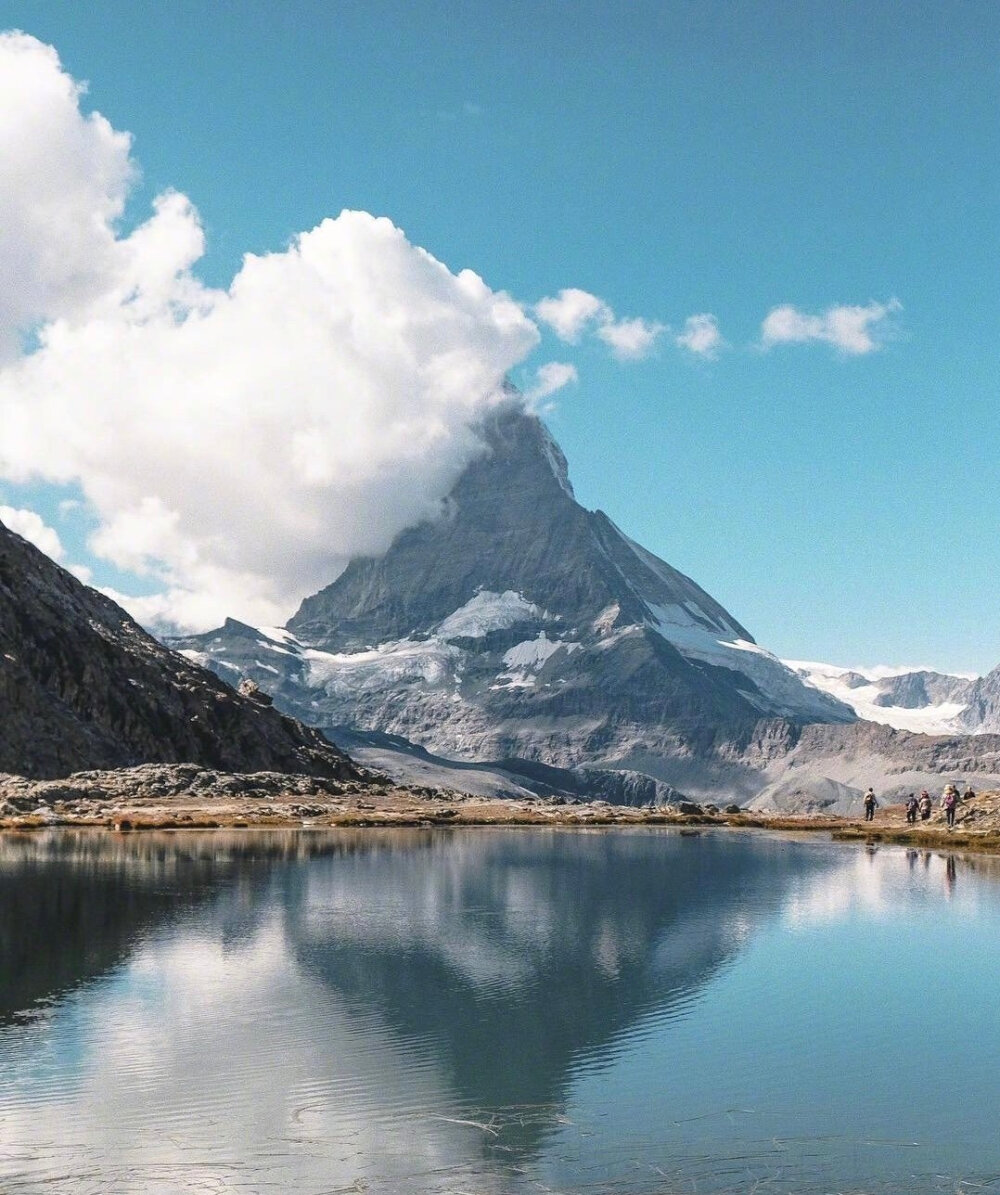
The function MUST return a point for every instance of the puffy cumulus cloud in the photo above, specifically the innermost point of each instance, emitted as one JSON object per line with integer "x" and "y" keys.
{"x": 852, "y": 330}
{"x": 64, "y": 178}
{"x": 571, "y": 311}
{"x": 34, "y": 529}
{"x": 549, "y": 378}
{"x": 574, "y": 311}
{"x": 701, "y": 336}
{"x": 237, "y": 445}
{"x": 630, "y": 339}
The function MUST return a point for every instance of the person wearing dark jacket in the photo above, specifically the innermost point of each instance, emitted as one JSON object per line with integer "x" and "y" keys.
{"x": 871, "y": 804}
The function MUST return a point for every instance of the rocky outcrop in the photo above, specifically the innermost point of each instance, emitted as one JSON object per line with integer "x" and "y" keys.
{"x": 163, "y": 782}
{"x": 827, "y": 768}
{"x": 411, "y": 766}
{"x": 982, "y": 710}
{"x": 83, "y": 686}
{"x": 915, "y": 690}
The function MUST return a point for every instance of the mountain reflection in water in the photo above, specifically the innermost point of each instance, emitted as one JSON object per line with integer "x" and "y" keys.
{"x": 402, "y": 1010}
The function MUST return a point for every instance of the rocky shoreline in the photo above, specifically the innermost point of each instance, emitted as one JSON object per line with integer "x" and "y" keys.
{"x": 185, "y": 796}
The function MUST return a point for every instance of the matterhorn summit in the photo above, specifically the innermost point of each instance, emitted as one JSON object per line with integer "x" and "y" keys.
{"x": 520, "y": 624}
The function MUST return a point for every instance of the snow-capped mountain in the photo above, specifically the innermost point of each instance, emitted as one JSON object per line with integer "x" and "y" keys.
{"x": 521, "y": 624}
{"x": 919, "y": 700}
{"x": 522, "y": 629}
{"x": 981, "y": 714}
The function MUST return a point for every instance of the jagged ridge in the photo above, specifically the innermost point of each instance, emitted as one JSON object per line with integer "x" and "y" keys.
{"x": 83, "y": 686}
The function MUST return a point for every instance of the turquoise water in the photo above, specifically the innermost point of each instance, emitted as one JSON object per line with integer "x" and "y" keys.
{"x": 495, "y": 1011}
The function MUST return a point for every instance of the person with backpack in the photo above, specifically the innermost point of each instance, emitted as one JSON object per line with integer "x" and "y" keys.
{"x": 911, "y": 809}
{"x": 926, "y": 805}
{"x": 871, "y": 804}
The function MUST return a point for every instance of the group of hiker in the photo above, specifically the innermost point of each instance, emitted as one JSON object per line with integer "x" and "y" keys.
{"x": 921, "y": 806}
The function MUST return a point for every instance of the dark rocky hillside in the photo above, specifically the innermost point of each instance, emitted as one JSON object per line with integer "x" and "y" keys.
{"x": 83, "y": 686}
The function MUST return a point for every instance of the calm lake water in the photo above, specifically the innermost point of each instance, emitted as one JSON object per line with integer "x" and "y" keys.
{"x": 495, "y": 1011}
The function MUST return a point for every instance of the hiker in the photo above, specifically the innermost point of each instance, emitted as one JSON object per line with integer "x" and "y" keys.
{"x": 926, "y": 804}
{"x": 911, "y": 809}
{"x": 950, "y": 803}
{"x": 870, "y": 805}
{"x": 969, "y": 794}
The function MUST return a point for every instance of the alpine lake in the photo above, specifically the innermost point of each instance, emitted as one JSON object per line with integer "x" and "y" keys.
{"x": 492, "y": 1011}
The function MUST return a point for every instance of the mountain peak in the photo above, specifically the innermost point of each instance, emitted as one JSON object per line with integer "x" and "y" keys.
{"x": 519, "y": 590}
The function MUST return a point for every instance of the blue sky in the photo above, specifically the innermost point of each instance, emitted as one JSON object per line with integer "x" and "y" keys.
{"x": 672, "y": 159}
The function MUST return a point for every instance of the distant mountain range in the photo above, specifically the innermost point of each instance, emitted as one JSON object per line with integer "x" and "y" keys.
{"x": 521, "y": 627}
{"x": 925, "y": 701}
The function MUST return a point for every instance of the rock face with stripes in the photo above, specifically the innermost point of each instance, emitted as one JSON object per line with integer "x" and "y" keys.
{"x": 83, "y": 686}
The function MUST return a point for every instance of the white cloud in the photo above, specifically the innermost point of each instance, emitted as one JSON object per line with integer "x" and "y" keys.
{"x": 574, "y": 311}
{"x": 34, "y": 529}
{"x": 701, "y": 335}
{"x": 549, "y": 378}
{"x": 630, "y": 339}
{"x": 571, "y": 312}
{"x": 240, "y": 445}
{"x": 852, "y": 330}
{"x": 64, "y": 178}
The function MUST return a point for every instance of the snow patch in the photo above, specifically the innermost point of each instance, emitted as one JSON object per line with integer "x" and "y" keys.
{"x": 279, "y": 635}
{"x": 270, "y": 645}
{"x": 201, "y": 658}
{"x": 400, "y": 661}
{"x": 488, "y": 611}
{"x": 533, "y": 653}
{"x": 675, "y": 582}
{"x": 829, "y": 678}
{"x": 782, "y": 688}
{"x": 529, "y": 657}
{"x": 689, "y": 634}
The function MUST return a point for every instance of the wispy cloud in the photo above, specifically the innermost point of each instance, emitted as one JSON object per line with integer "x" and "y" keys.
{"x": 549, "y": 378}
{"x": 573, "y": 312}
{"x": 467, "y": 110}
{"x": 852, "y": 330}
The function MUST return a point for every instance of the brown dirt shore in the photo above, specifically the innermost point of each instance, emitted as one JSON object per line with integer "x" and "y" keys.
{"x": 977, "y": 828}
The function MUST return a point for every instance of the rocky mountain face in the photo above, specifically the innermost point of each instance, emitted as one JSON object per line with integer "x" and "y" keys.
{"x": 520, "y": 625}
{"x": 826, "y": 768}
{"x": 521, "y": 632}
{"x": 83, "y": 686}
{"x": 982, "y": 705}
{"x": 915, "y": 690}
